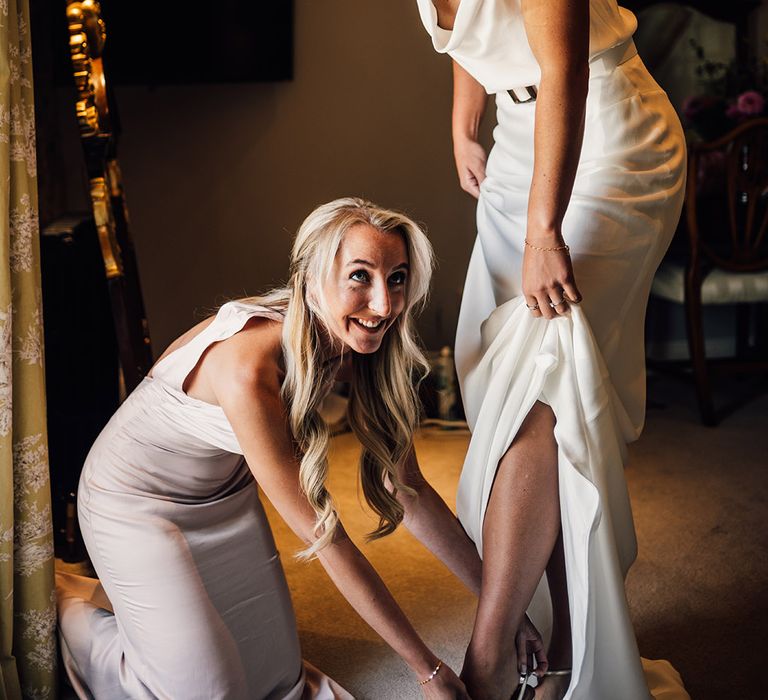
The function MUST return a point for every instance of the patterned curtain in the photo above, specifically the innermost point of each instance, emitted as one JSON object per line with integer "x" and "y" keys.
{"x": 27, "y": 603}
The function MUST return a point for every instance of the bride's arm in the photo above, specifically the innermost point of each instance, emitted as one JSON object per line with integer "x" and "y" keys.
{"x": 469, "y": 102}
{"x": 558, "y": 34}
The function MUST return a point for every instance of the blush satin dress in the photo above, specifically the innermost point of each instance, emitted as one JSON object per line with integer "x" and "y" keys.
{"x": 191, "y": 601}
{"x": 589, "y": 365}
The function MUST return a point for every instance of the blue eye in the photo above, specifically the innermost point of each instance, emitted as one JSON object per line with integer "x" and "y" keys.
{"x": 359, "y": 276}
{"x": 398, "y": 278}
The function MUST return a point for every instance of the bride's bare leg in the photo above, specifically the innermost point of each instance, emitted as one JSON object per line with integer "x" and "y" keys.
{"x": 521, "y": 527}
{"x": 559, "y": 653}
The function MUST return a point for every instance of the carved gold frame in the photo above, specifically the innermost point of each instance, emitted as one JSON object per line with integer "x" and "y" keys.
{"x": 87, "y": 36}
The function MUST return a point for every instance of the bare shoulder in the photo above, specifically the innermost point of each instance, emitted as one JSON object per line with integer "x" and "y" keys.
{"x": 252, "y": 355}
{"x": 245, "y": 376}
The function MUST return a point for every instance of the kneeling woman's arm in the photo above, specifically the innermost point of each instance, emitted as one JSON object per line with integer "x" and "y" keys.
{"x": 250, "y": 398}
{"x": 432, "y": 522}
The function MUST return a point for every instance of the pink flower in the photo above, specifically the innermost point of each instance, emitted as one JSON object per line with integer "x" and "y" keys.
{"x": 750, "y": 103}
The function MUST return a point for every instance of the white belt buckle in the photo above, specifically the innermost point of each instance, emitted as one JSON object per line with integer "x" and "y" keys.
{"x": 529, "y": 89}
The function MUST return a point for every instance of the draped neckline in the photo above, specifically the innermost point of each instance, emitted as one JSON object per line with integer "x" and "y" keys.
{"x": 445, "y": 40}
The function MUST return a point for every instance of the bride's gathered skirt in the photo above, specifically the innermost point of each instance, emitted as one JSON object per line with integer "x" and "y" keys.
{"x": 588, "y": 366}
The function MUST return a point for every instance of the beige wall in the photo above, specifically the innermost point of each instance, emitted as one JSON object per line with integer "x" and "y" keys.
{"x": 218, "y": 177}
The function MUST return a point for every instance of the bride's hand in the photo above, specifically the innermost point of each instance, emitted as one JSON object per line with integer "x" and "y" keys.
{"x": 470, "y": 164}
{"x": 529, "y": 647}
{"x": 446, "y": 685}
{"x": 548, "y": 283}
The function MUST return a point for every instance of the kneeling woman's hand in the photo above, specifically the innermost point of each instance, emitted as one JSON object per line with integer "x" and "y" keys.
{"x": 445, "y": 685}
{"x": 530, "y": 647}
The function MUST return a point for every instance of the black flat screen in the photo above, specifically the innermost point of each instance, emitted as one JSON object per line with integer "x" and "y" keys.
{"x": 175, "y": 42}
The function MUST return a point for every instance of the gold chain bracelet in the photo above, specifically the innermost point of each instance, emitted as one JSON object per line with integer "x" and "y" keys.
{"x": 433, "y": 674}
{"x": 554, "y": 249}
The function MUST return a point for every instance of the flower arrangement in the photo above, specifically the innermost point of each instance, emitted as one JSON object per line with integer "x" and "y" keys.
{"x": 732, "y": 93}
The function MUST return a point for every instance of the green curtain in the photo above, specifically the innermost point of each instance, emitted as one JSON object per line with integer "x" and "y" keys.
{"x": 27, "y": 603}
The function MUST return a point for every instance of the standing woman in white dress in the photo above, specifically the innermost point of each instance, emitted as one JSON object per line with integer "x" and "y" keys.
{"x": 577, "y": 203}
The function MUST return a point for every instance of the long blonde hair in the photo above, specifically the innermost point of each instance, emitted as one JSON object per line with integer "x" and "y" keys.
{"x": 383, "y": 406}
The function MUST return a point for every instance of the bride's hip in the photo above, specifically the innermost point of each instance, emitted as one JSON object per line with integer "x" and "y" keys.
{"x": 628, "y": 116}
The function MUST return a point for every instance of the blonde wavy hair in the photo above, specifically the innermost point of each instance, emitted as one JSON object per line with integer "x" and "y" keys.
{"x": 383, "y": 407}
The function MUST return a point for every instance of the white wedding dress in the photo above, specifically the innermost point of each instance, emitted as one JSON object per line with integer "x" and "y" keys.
{"x": 588, "y": 366}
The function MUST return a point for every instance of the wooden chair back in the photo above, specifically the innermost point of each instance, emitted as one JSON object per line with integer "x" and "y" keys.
{"x": 727, "y": 199}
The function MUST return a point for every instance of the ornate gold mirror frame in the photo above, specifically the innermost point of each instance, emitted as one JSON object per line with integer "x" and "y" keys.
{"x": 87, "y": 38}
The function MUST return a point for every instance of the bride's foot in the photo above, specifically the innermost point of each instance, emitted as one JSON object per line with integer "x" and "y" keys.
{"x": 553, "y": 686}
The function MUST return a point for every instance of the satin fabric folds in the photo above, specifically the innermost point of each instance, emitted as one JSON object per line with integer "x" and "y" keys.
{"x": 530, "y": 359}
{"x": 588, "y": 366}
{"x": 192, "y": 602}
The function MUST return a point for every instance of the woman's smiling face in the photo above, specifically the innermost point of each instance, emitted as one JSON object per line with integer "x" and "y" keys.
{"x": 366, "y": 289}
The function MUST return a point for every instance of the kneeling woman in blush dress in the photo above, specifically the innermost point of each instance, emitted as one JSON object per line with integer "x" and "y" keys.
{"x": 198, "y": 605}
{"x": 577, "y": 202}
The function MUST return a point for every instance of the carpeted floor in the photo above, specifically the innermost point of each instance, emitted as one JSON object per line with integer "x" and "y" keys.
{"x": 697, "y": 591}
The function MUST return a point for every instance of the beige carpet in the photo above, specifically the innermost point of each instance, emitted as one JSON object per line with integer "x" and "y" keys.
{"x": 697, "y": 591}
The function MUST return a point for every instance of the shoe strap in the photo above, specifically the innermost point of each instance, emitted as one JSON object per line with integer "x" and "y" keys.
{"x": 524, "y": 678}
